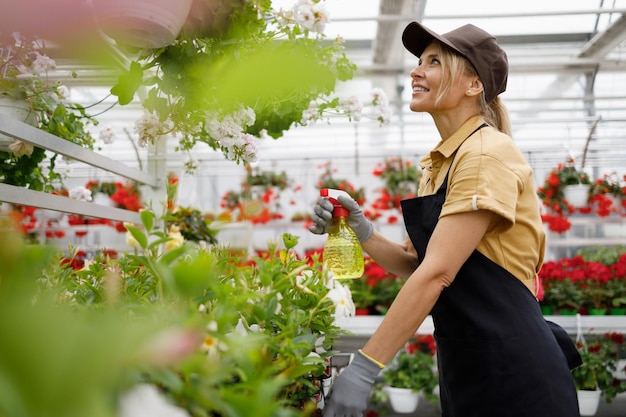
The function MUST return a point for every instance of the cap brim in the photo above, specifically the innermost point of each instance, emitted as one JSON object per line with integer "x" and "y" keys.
{"x": 416, "y": 38}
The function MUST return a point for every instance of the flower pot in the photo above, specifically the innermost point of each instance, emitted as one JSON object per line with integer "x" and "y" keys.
{"x": 402, "y": 400}
{"x": 617, "y": 311}
{"x": 237, "y": 236}
{"x": 568, "y": 312}
{"x": 577, "y": 195}
{"x": 588, "y": 402}
{"x": 142, "y": 23}
{"x": 103, "y": 199}
{"x": 16, "y": 109}
{"x": 362, "y": 312}
{"x": 597, "y": 311}
{"x": 547, "y": 310}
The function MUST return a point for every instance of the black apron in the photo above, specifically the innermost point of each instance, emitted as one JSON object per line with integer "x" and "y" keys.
{"x": 497, "y": 355}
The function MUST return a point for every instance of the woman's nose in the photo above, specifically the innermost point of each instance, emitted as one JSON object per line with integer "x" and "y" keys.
{"x": 416, "y": 72}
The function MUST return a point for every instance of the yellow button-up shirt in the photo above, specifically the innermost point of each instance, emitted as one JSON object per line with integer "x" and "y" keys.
{"x": 487, "y": 171}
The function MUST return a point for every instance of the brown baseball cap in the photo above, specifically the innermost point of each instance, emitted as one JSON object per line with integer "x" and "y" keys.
{"x": 479, "y": 47}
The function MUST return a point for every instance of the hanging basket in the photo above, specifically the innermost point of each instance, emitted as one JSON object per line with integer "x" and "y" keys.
{"x": 142, "y": 23}
{"x": 16, "y": 109}
{"x": 577, "y": 195}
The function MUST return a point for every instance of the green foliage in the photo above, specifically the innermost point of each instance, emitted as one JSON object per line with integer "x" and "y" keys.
{"x": 600, "y": 357}
{"x": 258, "y": 60}
{"x": 23, "y": 171}
{"x": 551, "y": 192}
{"x": 264, "y": 328}
{"x": 413, "y": 367}
{"x": 44, "y": 97}
{"x": 412, "y": 370}
{"x": 606, "y": 255}
{"x": 56, "y": 360}
{"x": 192, "y": 225}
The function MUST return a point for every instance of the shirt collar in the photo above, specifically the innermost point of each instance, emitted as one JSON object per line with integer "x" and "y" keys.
{"x": 445, "y": 148}
{"x": 448, "y": 146}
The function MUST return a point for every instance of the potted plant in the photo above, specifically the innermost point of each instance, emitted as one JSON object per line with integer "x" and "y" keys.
{"x": 26, "y": 84}
{"x": 413, "y": 370}
{"x": 382, "y": 284}
{"x": 199, "y": 88}
{"x": 607, "y": 194}
{"x": 363, "y": 294}
{"x": 596, "y": 375}
{"x": 327, "y": 180}
{"x": 558, "y": 284}
{"x": 401, "y": 180}
{"x": 564, "y": 189}
{"x": 613, "y": 258}
{"x": 191, "y": 223}
{"x": 212, "y": 334}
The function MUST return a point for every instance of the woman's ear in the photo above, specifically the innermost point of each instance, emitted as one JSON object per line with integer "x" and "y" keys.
{"x": 475, "y": 87}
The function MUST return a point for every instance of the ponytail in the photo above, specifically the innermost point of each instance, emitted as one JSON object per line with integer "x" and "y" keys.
{"x": 497, "y": 115}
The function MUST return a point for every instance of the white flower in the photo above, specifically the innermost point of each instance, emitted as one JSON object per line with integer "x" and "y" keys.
{"x": 43, "y": 64}
{"x": 242, "y": 327}
{"x": 211, "y": 344}
{"x": 341, "y": 296}
{"x": 176, "y": 239}
{"x": 107, "y": 135}
{"x": 20, "y": 148}
{"x": 63, "y": 92}
{"x": 149, "y": 128}
{"x": 131, "y": 241}
{"x": 245, "y": 116}
{"x": 229, "y": 133}
{"x": 353, "y": 107}
{"x": 249, "y": 151}
{"x": 381, "y": 110}
{"x": 311, "y": 16}
{"x": 321, "y": 17}
{"x": 311, "y": 114}
{"x": 379, "y": 97}
{"x": 303, "y": 13}
{"x": 146, "y": 400}
{"x": 80, "y": 194}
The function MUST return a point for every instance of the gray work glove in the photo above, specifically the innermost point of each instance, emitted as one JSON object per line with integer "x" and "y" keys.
{"x": 323, "y": 214}
{"x": 349, "y": 394}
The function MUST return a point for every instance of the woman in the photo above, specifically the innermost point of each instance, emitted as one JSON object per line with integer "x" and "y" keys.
{"x": 476, "y": 245}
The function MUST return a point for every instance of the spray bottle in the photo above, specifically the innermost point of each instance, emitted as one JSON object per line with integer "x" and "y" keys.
{"x": 342, "y": 251}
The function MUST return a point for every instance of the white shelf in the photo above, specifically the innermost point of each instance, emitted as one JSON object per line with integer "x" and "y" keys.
{"x": 366, "y": 325}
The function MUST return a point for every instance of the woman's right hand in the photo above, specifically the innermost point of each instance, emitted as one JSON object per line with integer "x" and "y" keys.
{"x": 322, "y": 216}
{"x": 323, "y": 213}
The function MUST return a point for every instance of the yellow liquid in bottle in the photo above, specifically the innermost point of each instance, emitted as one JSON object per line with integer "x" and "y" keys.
{"x": 342, "y": 253}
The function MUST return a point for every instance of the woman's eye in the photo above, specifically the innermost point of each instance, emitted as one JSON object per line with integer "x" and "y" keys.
{"x": 435, "y": 61}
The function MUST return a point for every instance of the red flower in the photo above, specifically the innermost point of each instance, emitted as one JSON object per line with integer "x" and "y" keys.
{"x": 617, "y": 338}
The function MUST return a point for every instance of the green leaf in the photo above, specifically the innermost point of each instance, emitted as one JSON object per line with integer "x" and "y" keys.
{"x": 139, "y": 236}
{"x": 147, "y": 218}
{"x": 128, "y": 84}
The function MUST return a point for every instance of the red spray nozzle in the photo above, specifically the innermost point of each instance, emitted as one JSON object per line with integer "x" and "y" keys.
{"x": 333, "y": 195}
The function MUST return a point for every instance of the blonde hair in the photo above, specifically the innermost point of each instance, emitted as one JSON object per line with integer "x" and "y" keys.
{"x": 495, "y": 113}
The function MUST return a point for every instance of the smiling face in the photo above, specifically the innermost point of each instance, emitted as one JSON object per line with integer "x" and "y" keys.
{"x": 441, "y": 81}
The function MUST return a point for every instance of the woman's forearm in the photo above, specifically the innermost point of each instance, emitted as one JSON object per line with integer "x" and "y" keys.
{"x": 397, "y": 258}
{"x": 411, "y": 306}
